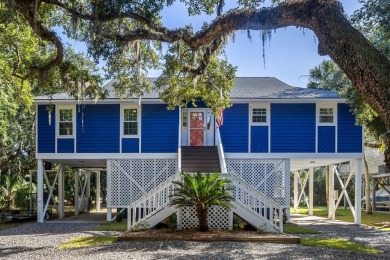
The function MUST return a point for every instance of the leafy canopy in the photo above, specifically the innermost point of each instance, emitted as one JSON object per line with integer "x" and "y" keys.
{"x": 201, "y": 190}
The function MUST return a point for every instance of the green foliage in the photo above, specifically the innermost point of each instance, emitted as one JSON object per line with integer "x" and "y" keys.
{"x": 172, "y": 221}
{"x": 237, "y": 223}
{"x": 338, "y": 243}
{"x": 179, "y": 89}
{"x": 140, "y": 226}
{"x": 373, "y": 19}
{"x": 202, "y": 192}
{"x": 14, "y": 192}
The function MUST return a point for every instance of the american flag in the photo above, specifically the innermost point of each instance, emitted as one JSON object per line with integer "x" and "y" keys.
{"x": 219, "y": 120}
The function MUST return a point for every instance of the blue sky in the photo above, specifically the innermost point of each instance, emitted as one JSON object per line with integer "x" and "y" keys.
{"x": 289, "y": 56}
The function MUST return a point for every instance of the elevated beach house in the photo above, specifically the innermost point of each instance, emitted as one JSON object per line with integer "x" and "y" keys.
{"x": 271, "y": 130}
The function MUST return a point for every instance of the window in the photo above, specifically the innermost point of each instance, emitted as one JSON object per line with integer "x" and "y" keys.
{"x": 130, "y": 121}
{"x": 65, "y": 122}
{"x": 326, "y": 115}
{"x": 259, "y": 115}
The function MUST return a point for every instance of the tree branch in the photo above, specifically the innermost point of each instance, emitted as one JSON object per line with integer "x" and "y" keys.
{"x": 45, "y": 35}
{"x": 364, "y": 65}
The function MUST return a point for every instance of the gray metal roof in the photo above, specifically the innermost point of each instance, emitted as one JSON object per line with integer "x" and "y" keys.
{"x": 245, "y": 88}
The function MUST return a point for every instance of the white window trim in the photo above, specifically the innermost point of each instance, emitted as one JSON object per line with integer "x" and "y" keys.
{"x": 58, "y": 108}
{"x": 326, "y": 105}
{"x": 259, "y": 105}
{"x": 267, "y": 106}
{"x": 122, "y": 113}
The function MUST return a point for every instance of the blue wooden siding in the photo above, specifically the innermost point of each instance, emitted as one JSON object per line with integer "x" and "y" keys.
{"x": 46, "y": 132}
{"x": 65, "y": 145}
{"x": 259, "y": 139}
{"x": 100, "y": 131}
{"x": 326, "y": 139}
{"x": 130, "y": 145}
{"x": 199, "y": 104}
{"x": 293, "y": 128}
{"x": 160, "y": 129}
{"x": 349, "y": 136}
{"x": 234, "y": 132}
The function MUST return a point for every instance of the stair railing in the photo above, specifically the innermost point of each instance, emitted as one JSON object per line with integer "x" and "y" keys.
{"x": 221, "y": 154}
{"x": 152, "y": 202}
{"x": 246, "y": 196}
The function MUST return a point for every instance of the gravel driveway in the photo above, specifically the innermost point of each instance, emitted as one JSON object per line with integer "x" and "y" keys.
{"x": 37, "y": 241}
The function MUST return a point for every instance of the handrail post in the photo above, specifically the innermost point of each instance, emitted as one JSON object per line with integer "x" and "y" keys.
{"x": 221, "y": 153}
{"x": 179, "y": 142}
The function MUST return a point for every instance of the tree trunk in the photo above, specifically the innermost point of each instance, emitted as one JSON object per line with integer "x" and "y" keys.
{"x": 367, "y": 187}
{"x": 202, "y": 217}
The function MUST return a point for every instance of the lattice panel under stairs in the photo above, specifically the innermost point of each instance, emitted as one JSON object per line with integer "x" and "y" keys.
{"x": 218, "y": 217}
{"x": 129, "y": 179}
{"x": 269, "y": 176}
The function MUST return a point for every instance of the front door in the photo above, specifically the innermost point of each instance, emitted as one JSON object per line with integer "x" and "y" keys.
{"x": 197, "y": 128}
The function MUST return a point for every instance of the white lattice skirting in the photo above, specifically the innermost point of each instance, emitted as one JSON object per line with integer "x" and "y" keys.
{"x": 129, "y": 179}
{"x": 218, "y": 217}
{"x": 269, "y": 176}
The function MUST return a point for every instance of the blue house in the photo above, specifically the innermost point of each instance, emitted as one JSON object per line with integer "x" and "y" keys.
{"x": 271, "y": 130}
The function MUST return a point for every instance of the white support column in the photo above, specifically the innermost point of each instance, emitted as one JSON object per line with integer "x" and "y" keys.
{"x": 331, "y": 209}
{"x": 88, "y": 192}
{"x": 109, "y": 214}
{"x": 311, "y": 191}
{"x": 61, "y": 191}
{"x": 88, "y": 175}
{"x": 30, "y": 190}
{"x": 358, "y": 191}
{"x": 40, "y": 173}
{"x": 296, "y": 192}
{"x": 76, "y": 191}
{"x": 98, "y": 191}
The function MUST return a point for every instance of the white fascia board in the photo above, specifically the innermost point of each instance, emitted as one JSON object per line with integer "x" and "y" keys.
{"x": 287, "y": 100}
{"x": 159, "y": 101}
{"x": 104, "y": 156}
{"x": 103, "y": 101}
{"x": 346, "y": 156}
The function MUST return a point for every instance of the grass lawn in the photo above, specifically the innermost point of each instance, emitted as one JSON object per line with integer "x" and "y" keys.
{"x": 9, "y": 224}
{"x": 338, "y": 243}
{"x": 111, "y": 226}
{"x": 5, "y": 226}
{"x": 372, "y": 220}
{"x": 294, "y": 229}
{"x": 88, "y": 242}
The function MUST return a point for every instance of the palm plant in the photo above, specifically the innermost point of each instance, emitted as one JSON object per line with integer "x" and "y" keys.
{"x": 13, "y": 184}
{"x": 201, "y": 191}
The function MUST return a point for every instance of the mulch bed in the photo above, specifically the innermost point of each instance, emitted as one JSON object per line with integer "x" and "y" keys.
{"x": 211, "y": 235}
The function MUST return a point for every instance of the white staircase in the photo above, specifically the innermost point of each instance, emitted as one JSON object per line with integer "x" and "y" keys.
{"x": 254, "y": 207}
{"x": 249, "y": 203}
{"x": 153, "y": 207}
